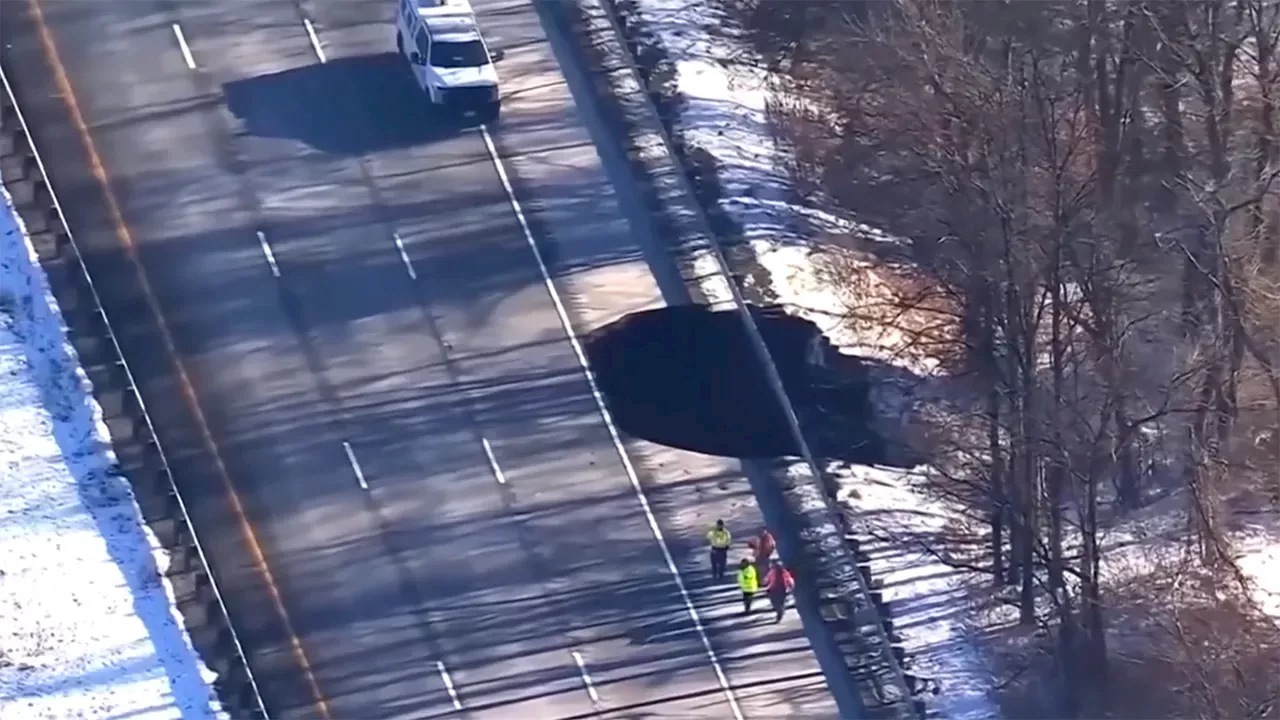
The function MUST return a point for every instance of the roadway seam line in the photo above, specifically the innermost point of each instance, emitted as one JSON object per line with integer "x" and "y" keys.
{"x": 493, "y": 461}
{"x": 586, "y": 676}
{"x": 315, "y": 39}
{"x": 125, "y": 237}
{"x": 271, "y": 257}
{"x": 614, "y": 435}
{"x": 355, "y": 465}
{"x": 182, "y": 45}
{"x": 448, "y": 685}
{"x": 404, "y": 256}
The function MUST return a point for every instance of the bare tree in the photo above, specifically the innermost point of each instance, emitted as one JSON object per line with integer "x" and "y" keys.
{"x": 1064, "y": 168}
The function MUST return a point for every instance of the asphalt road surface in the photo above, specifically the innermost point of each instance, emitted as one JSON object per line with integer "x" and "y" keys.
{"x": 446, "y": 524}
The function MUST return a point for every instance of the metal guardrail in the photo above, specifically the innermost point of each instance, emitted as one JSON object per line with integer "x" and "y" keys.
{"x": 137, "y": 396}
{"x": 885, "y": 645}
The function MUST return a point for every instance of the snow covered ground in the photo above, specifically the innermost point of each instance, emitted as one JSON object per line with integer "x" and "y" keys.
{"x": 725, "y": 113}
{"x": 88, "y": 626}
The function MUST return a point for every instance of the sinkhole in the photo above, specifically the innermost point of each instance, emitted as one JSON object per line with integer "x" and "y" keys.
{"x": 688, "y": 377}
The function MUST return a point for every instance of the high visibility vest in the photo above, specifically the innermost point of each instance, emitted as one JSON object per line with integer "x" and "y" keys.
{"x": 748, "y": 580}
{"x": 719, "y": 538}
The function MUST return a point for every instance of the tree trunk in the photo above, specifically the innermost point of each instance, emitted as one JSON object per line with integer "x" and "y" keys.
{"x": 1090, "y": 590}
{"x": 1260, "y": 228}
{"x": 1169, "y": 85}
{"x": 1015, "y": 512}
{"x": 1059, "y": 453}
{"x": 997, "y": 511}
{"x": 1030, "y": 524}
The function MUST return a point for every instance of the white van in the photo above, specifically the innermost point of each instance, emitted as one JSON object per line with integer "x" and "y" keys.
{"x": 447, "y": 55}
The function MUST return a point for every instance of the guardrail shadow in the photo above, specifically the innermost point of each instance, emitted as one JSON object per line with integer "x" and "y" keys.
{"x": 141, "y": 461}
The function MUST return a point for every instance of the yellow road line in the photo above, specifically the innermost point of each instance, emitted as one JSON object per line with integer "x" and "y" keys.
{"x": 188, "y": 390}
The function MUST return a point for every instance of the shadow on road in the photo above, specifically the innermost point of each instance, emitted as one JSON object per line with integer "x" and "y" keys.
{"x": 687, "y": 377}
{"x": 347, "y": 106}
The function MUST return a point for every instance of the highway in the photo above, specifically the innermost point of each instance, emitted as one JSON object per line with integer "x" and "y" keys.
{"x": 374, "y": 391}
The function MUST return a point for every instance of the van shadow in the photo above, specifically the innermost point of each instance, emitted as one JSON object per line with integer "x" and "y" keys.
{"x": 687, "y": 377}
{"x": 347, "y": 106}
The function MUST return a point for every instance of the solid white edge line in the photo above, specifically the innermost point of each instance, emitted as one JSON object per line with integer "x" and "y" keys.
{"x": 121, "y": 363}
{"x": 315, "y": 39}
{"x": 271, "y": 257}
{"x": 404, "y": 256}
{"x": 609, "y": 424}
{"x": 493, "y": 460}
{"x": 586, "y": 676}
{"x": 355, "y": 465}
{"x": 182, "y": 45}
{"x": 448, "y": 685}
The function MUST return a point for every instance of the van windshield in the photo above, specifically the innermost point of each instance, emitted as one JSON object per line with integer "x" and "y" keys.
{"x": 458, "y": 54}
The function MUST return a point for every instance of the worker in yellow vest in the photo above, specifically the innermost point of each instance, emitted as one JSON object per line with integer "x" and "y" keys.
{"x": 749, "y": 583}
{"x": 720, "y": 539}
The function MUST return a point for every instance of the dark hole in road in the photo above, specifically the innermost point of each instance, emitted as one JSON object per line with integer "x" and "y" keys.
{"x": 347, "y": 106}
{"x": 687, "y": 377}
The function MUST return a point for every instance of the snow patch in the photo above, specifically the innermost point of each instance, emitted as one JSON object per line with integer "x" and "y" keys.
{"x": 725, "y": 113}
{"x": 1259, "y": 560}
{"x": 90, "y": 627}
{"x": 927, "y": 600}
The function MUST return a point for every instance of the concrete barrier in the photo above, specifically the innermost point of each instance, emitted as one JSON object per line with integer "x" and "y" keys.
{"x": 682, "y": 182}
{"x": 124, "y": 411}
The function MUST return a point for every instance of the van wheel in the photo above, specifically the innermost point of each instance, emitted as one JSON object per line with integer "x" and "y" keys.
{"x": 399, "y": 43}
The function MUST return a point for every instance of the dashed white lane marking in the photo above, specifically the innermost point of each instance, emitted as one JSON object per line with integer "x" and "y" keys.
{"x": 630, "y": 470}
{"x": 448, "y": 685}
{"x": 493, "y": 461}
{"x": 315, "y": 39}
{"x": 271, "y": 257}
{"x": 586, "y": 676}
{"x": 404, "y": 256}
{"x": 355, "y": 465}
{"x": 182, "y": 45}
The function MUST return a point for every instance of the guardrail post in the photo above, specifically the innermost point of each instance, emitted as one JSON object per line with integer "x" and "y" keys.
{"x": 233, "y": 685}
{"x": 87, "y": 324}
{"x": 37, "y": 208}
{"x": 845, "y": 600}
{"x": 184, "y": 560}
{"x": 43, "y": 240}
{"x": 139, "y": 454}
{"x": 13, "y": 172}
{"x": 105, "y": 377}
{"x": 166, "y": 532}
{"x": 120, "y": 428}
{"x": 247, "y": 701}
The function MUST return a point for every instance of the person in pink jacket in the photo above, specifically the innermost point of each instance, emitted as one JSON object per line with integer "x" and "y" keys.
{"x": 762, "y": 547}
{"x": 778, "y": 584}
